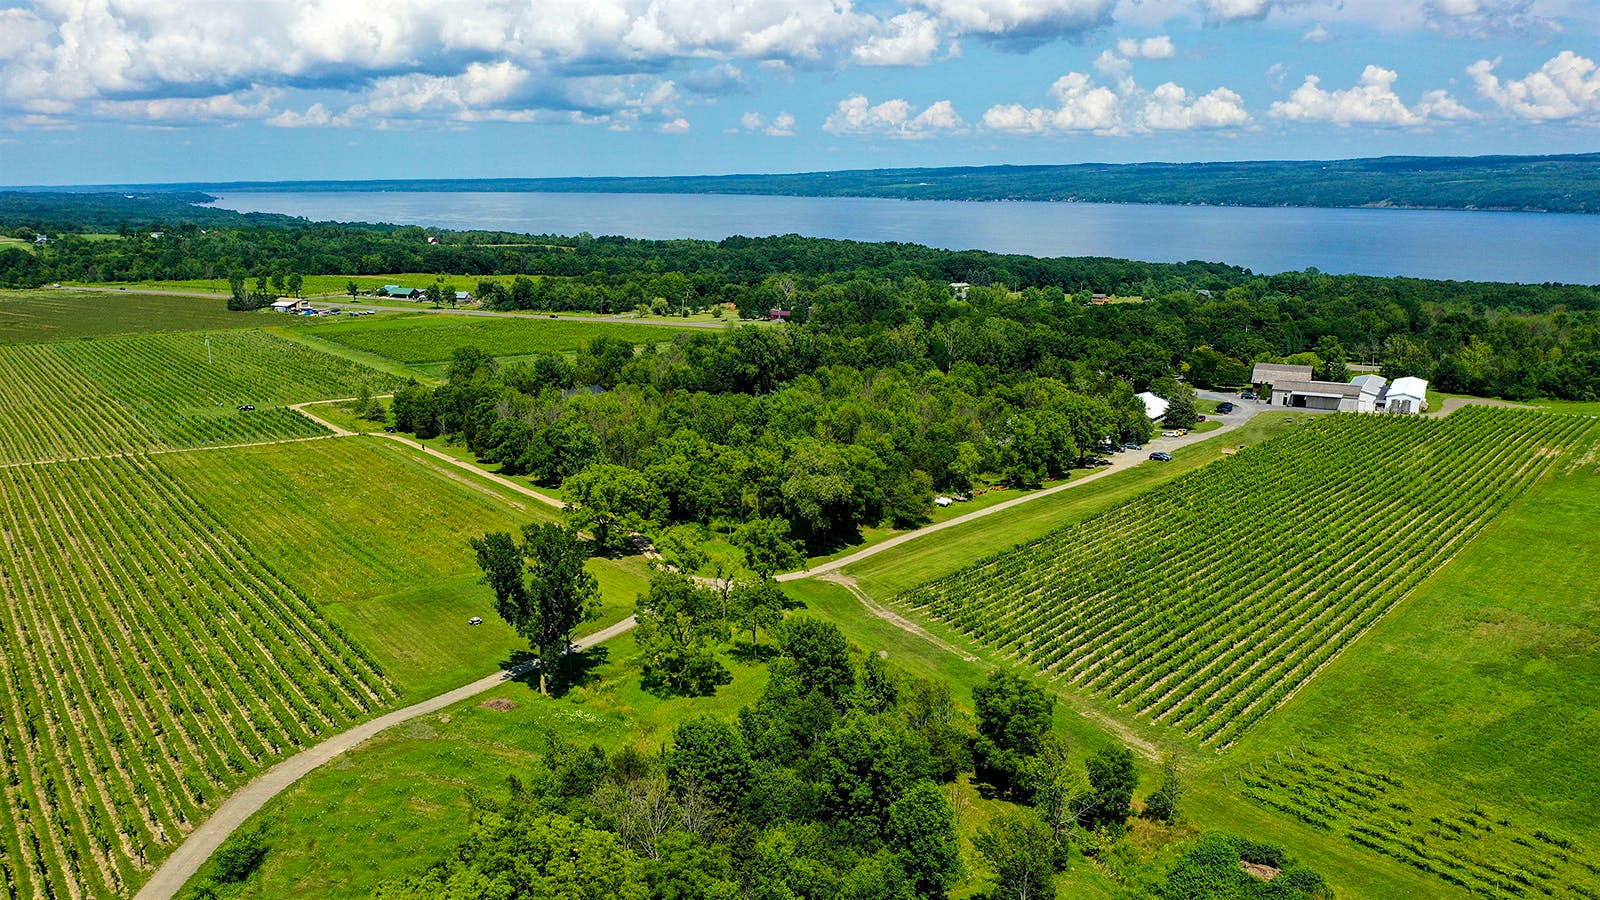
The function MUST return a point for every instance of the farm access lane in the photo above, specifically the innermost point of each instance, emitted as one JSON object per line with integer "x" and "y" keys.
{"x": 186, "y": 860}
{"x": 203, "y": 841}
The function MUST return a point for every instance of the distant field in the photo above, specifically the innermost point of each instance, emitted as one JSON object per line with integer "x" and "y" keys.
{"x": 60, "y": 314}
{"x": 376, "y": 536}
{"x": 1203, "y": 603}
{"x": 311, "y": 285}
{"x": 433, "y": 338}
{"x": 152, "y": 663}
{"x": 113, "y": 395}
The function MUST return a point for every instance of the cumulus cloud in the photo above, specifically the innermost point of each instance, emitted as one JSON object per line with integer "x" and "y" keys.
{"x": 856, "y": 115}
{"x": 1022, "y": 24}
{"x": 1319, "y": 34}
{"x": 1227, "y": 11}
{"x": 1567, "y": 86}
{"x": 909, "y": 39}
{"x": 1082, "y": 105}
{"x": 780, "y": 125}
{"x": 679, "y": 125}
{"x": 1372, "y": 101}
{"x": 1158, "y": 47}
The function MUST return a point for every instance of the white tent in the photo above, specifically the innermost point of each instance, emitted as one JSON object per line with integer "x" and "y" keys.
{"x": 1154, "y": 406}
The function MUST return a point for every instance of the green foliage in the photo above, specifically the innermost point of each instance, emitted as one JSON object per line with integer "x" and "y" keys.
{"x": 1213, "y": 869}
{"x": 1014, "y": 716}
{"x": 861, "y": 768}
{"x": 1162, "y": 804}
{"x": 680, "y": 624}
{"x": 922, "y": 830}
{"x": 1022, "y": 854}
{"x": 709, "y": 755}
{"x": 541, "y": 586}
{"x": 240, "y": 855}
{"x": 820, "y": 655}
{"x": 757, "y": 604}
{"x": 1111, "y": 782}
{"x": 766, "y": 546}
{"x": 613, "y": 503}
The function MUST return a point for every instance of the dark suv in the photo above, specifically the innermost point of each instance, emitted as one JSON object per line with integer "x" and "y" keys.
{"x": 1159, "y": 456}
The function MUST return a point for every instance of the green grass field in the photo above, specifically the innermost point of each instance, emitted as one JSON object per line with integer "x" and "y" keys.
{"x": 426, "y": 338}
{"x": 61, "y": 314}
{"x": 152, "y": 663}
{"x": 312, "y": 285}
{"x": 375, "y": 535}
{"x": 121, "y": 394}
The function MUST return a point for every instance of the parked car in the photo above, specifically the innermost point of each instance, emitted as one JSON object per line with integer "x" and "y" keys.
{"x": 1224, "y": 408}
{"x": 390, "y": 429}
{"x": 246, "y": 407}
{"x": 1097, "y": 461}
{"x": 1131, "y": 446}
{"x": 1172, "y": 434}
{"x": 1248, "y": 395}
{"x": 475, "y": 620}
{"x": 1158, "y": 456}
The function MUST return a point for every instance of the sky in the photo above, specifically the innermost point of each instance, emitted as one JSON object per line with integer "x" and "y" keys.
{"x": 145, "y": 91}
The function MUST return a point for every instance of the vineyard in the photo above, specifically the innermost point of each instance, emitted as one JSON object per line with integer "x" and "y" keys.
{"x": 63, "y": 314}
{"x": 151, "y": 663}
{"x": 1459, "y": 843}
{"x": 430, "y": 340}
{"x": 1204, "y": 603}
{"x": 116, "y": 395}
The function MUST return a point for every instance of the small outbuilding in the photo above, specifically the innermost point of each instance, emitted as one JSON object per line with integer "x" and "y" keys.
{"x": 290, "y": 305}
{"x": 1408, "y": 395}
{"x": 463, "y": 296}
{"x": 777, "y": 315}
{"x": 403, "y": 293}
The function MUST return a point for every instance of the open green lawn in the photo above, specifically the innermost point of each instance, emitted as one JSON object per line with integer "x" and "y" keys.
{"x": 1576, "y": 407}
{"x": 430, "y": 338}
{"x": 62, "y": 314}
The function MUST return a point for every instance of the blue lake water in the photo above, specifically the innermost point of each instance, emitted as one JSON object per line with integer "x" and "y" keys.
{"x": 1480, "y": 246}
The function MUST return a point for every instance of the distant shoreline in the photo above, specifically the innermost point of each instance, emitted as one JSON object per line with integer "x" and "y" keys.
{"x": 1535, "y": 184}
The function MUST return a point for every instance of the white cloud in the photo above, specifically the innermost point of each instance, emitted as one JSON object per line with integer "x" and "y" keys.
{"x": 892, "y": 118}
{"x": 1081, "y": 105}
{"x": 1567, "y": 86}
{"x": 1373, "y": 101}
{"x": 1319, "y": 34}
{"x": 679, "y": 125}
{"x": 1226, "y": 11}
{"x": 909, "y": 39}
{"x": 1158, "y": 47}
{"x": 316, "y": 115}
{"x": 1022, "y": 24}
{"x": 1479, "y": 19}
{"x": 781, "y": 125}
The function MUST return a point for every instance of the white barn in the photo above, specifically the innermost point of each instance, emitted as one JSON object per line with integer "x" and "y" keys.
{"x": 1406, "y": 395}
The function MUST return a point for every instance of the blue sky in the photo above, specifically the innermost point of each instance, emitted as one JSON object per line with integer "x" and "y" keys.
{"x": 97, "y": 91}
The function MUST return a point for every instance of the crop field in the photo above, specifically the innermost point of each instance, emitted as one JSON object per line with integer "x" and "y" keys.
{"x": 115, "y": 395}
{"x": 1205, "y": 602}
{"x": 151, "y": 662}
{"x": 62, "y": 314}
{"x": 430, "y": 340}
{"x": 1458, "y": 842}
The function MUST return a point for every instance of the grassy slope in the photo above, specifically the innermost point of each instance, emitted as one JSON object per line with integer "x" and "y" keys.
{"x": 63, "y": 314}
{"x": 429, "y": 338}
{"x": 376, "y": 536}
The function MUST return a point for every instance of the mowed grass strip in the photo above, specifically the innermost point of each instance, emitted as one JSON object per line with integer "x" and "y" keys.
{"x": 151, "y": 663}
{"x": 376, "y": 535}
{"x": 432, "y": 338}
{"x": 63, "y": 314}
{"x": 1204, "y": 603}
{"x": 163, "y": 391}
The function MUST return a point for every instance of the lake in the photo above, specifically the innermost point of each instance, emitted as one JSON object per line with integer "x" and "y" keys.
{"x": 1478, "y": 246}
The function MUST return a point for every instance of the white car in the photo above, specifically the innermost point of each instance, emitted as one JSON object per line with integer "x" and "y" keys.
{"x": 1172, "y": 434}
{"x": 475, "y": 620}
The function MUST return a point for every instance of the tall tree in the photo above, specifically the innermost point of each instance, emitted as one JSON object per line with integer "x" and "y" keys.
{"x": 767, "y": 546}
{"x": 1162, "y": 803}
{"x": 1022, "y": 855}
{"x": 613, "y": 502}
{"x": 1111, "y": 780}
{"x": 757, "y": 604}
{"x": 1013, "y": 718}
{"x": 541, "y": 586}
{"x": 679, "y": 622}
{"x": 922, "y": 830}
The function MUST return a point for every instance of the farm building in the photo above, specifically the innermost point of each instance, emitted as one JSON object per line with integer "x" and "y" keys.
{"x": 1362, "y": 394}
{"x": 1154, "y": 406}
{"x": 404, "y": 293}
{"x": 777, "y": 315}
{"x": 1265, "y": 375}
{"x": 290, "y": 304}
{"x": 959, "y": 289}
{"x": 463, "y": 296}
{"x": 1406, "y": 395}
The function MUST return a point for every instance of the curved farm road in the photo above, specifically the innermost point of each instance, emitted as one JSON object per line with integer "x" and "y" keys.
{"x": 203, "y": 841}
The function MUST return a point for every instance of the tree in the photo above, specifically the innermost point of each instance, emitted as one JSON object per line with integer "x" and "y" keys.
{"x": 1060, "y": 793}
{"x": 1162, "y": 804}
{"x": 710, "y": 755}
{"x": 908, "y": 499}
{"x": 1022, "y": 854}
{"x": 541, "y": 586}
{"x": 1013, "y": 717}
{"x": 353, "y": 289}
{"x": 860, "y": 769}
{"x": 613, "y": 503}
{"x": 434, "y": 294}
{"x": 1334, "y": 360}
{"x": 758, "y": 604}
{"x": 1181, "y": 411}
{"x": 295, "y": 283}
{"x": 679, "y": 620}
{"x": 922, "y": 830}
{"x": 680, "y": 548}
{"x": 821, "y": 657}
{"x": 767, "y": 547}
{"x": 1111, "y": 783}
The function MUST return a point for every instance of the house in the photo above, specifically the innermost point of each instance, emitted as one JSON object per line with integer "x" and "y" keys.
{"x": 433, "y": 240}
{"x": 463, "y": 296}
{"x": 959, "y": 288}
{"x": 39, "y": 240}
{"x": 1265, "y": 375}
{"x": 1154, "y": 407}
{"x": 1406, "y": 395}
{"x": 290, "y": 305}
{"x": 777, "y": 315}
{"x": 158, "y": 234}
{"x": 404, "y": 293}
